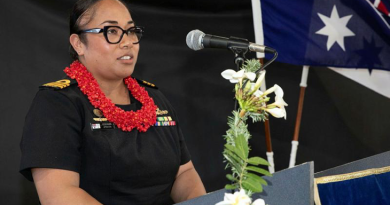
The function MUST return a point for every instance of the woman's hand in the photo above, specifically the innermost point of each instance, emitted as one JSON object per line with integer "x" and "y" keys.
{"x": 188, "y": 184}
{"x": 60, "y": 187}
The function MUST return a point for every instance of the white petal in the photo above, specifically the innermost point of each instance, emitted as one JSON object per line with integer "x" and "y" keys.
{"x": 278, "y": 91}
{"x": 233, "y": 80}
{"x": 228, "y": 197}
{"x": 228, "y": 74}
{"x": 259, "y": 202}
{"x": 242, "y": 202}
{"x": 239, "y": 74}
{"x": 251, "y": 76}
{"x": 270, "y": 90}
{"x": 260, "y": 79}
{"x": 224, "y": 203}
{"x": 279, "y": 101}
{"x": 257, "y": 93}
{"x": 277, "y": 112}
{"x": 242, "y": 192}
{"x": 252, "y": 86}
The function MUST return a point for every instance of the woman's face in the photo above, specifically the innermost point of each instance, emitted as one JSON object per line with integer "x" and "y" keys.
{"x": 109, "y": 62}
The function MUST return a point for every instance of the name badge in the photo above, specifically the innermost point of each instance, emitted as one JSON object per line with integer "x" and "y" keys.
{"x": 102, "y": 126}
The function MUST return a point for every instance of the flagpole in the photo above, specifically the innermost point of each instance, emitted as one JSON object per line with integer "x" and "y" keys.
{"x": 259, "y": 38}
{"x": 294, "y": 142}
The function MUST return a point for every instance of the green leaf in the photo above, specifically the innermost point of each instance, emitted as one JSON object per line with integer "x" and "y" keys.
{"x": 251, "y": 185}
{"x": 242, "y": 146}
{"x": 235, "y": 150}
{"x": 257, "y": 178}
{"x": 231, "y": 178}
{"x": 233, "y": 165}
{"x": 231, "y": 187}
{"x": 257, "y": 161}
{"x": 232, "y": 159}
{"x": 258, "y": 170}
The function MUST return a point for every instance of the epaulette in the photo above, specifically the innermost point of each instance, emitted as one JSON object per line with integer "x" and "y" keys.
{"x": 143, "y": 82}
{"x": 59, "y": 84}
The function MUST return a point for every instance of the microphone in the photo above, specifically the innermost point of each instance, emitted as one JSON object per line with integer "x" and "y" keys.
{"x": 197, "y": 40}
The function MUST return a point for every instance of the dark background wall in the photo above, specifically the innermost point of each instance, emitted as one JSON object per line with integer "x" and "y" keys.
{"x": 342, "y": 120}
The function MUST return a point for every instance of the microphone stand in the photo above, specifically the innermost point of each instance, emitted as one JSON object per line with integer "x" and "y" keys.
{"x": 239, "y": 59}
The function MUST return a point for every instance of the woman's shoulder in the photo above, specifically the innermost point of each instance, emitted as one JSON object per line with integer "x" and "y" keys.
{"x": 64, "y": 90}
{"x": 59, "y": 84}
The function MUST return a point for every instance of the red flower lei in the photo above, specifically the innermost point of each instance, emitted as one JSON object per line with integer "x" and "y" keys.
{"x": 125, "y": 120}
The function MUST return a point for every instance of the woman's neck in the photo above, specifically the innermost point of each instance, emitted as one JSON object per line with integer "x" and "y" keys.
{"x": 116, "y": 91}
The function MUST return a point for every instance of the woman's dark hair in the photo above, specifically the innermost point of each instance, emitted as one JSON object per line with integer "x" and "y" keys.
{"x": 79, "y": 10}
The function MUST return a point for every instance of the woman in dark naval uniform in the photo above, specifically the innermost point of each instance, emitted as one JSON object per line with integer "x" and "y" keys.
{"x": 100, "y": 136}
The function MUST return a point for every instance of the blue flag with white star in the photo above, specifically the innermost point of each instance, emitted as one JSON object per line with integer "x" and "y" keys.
{"x": 337, "y": 33}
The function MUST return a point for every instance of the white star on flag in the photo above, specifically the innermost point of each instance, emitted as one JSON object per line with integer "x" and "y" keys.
{"x": 335, "y": 28}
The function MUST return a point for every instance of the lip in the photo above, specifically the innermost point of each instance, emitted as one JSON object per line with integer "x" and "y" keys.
{"x": 126, "y": 60}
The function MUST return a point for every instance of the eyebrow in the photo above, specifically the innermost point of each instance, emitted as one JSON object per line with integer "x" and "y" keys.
{"x": 116, "y": 22}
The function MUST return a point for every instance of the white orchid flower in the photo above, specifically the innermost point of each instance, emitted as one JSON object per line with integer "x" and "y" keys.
{"x": 235, "y": 77}
{"x": 258, "y": 202}
{"x": 277, "y": 109}
{"x": 238, "y": 198}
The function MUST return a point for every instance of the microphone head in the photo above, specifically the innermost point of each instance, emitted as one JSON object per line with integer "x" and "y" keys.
{"x": 194, "y": 40}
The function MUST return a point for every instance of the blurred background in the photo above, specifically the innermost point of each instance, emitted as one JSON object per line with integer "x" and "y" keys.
{"x": 342, "y": 119}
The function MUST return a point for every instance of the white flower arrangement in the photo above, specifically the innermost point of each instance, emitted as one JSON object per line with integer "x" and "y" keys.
{"x": 253, "y": 103}
{"x": 276, "y": 109}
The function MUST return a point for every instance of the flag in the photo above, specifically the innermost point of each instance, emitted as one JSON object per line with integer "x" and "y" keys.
{"x": 336, "y": 33}
{"x": 381, "y": 7}
{"x": 378, "y": 80}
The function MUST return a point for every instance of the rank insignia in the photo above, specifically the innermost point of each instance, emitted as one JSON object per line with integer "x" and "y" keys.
{"x": 150, "y": 84}
{"x": 143, "y": 82}
{"x": 60, "y": 84}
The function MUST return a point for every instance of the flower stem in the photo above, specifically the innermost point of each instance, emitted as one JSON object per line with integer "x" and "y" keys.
{"x": 242, "y": 173}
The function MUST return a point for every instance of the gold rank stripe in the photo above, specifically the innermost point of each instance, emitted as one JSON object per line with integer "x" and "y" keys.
{"x": 352, "y": 175}
{"x": 59, "y": 84}
{"x": 147, "y": 83}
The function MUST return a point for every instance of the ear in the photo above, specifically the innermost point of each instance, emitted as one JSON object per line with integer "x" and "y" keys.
{"x": 76, "y": 43}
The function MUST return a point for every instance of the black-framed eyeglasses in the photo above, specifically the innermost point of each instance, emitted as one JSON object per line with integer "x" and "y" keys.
{"x": 114, "y": 34}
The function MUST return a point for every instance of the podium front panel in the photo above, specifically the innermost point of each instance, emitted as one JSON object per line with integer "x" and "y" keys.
{"x": 286, "y": 187}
